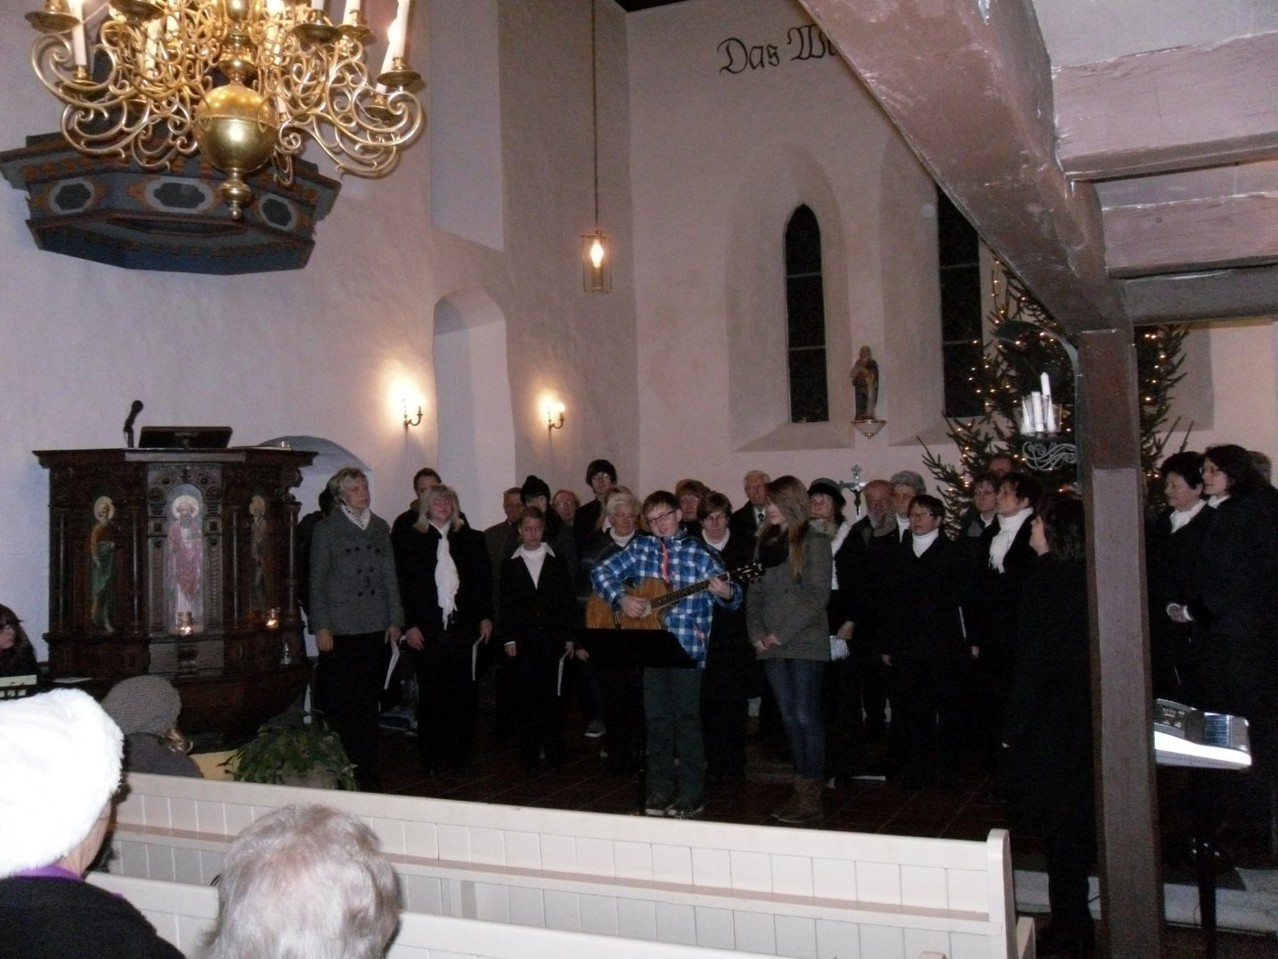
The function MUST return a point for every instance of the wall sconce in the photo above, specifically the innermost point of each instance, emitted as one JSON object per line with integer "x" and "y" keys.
{"x": 411, "y": 420}
{"x": 554, "y": 417}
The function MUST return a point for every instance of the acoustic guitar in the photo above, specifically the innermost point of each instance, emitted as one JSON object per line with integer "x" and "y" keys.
{"x": 600, "y": 615}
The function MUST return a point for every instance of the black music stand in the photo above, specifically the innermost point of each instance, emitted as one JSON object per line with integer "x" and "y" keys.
{"x": 633, "y": 648}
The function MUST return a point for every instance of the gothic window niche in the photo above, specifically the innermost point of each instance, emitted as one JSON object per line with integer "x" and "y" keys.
{"x": 180, "y": 563}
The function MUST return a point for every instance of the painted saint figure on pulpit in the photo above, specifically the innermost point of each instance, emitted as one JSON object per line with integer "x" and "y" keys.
{"x": 184, "y": 560}
{"x": 102, "y": 565}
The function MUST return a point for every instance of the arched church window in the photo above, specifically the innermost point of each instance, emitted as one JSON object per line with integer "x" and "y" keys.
{"x": 805, "y": 319}
{"x": 961, "y": 314}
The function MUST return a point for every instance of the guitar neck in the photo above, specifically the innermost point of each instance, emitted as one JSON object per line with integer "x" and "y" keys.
{"x": 672, "y": 597}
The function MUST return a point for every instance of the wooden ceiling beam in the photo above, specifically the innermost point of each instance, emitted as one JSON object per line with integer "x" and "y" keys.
{"x": 1190, "y": 297}
{"x": 1192, "y": 235}
{"x": 1191, "y": 106}
{"x": 968, "y": 85}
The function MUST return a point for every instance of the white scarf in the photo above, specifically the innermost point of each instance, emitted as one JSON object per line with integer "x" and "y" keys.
{"x": 1008, "y": 527}
{"x": 360, "y": 519}
{"x": 921, "y": 543}
{"x": 1180, "y": 517}
{"x": 1216, "y": 500}
{"x": 534, "y": 560}
{"x": 446, "y": 578}
{"x": 840, "y": 535}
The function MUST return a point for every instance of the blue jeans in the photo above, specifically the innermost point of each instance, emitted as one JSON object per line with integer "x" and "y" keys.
{"x": 796, "y": 684}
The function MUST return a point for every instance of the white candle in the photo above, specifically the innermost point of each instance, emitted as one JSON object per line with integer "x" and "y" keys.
{"x": 394, "y": 42}
{"x": 1036, "y": 409}
{"x": 1052, "y": 427}
{"x": 274, "y": 7}
{"x": 1027, "y": 421}
{"x": 352, "y": 8}
{"x": 317, "y": 5}
{"x": 1047, "y": 385}
{"x": 78, "y": 45}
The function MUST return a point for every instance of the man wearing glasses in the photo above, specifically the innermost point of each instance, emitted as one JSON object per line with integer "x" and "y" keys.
{"x": 671, "y": 696}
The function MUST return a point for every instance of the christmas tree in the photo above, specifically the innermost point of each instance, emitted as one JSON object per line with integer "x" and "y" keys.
{"x": 1026, "y": 346}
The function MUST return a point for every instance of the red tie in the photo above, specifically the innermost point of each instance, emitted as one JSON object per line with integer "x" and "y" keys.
{"x": 665, "y": 563}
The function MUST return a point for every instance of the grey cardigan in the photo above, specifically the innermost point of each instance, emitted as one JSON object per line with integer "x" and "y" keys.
{"x": 354, "y": 588}
{"x": 794, "y": 611}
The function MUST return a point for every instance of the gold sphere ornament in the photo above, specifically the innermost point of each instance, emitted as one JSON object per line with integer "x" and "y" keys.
{"x": 236, "y": 129}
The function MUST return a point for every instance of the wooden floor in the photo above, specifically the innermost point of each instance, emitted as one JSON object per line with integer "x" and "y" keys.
{"x": 878, "y": 806}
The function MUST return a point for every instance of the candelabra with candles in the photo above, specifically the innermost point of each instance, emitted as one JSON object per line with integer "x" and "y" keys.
{"x": 243, "y": 82}
{"x": 1039, "y": 422}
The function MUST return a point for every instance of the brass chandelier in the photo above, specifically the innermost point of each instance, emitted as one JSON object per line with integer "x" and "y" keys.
{"x": 243, "y": 82}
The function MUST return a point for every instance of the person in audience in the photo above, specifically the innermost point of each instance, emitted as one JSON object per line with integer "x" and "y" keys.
{"x": 1047, "y": 737}
{"x": 601, "y": 477}
{"x": 1003, "y": 562}
{"x": 1232, "y": 601}
{"x": 787, "y": 625}
{"x": 558, "y": 535}
{"x": 60, "y": 761}
{"x": 304, "y": 882}
{"x": 501, "y": 540}
{"x": 620, "y": 683}
{"x": 725, "y": 686}
{"x": 423, "y": 480}
{"x": 1000, "y": 465}
{"x": 17, "y": 657}
{"x": 446, "y": 582}
{"x": 305, "y": 535}
{"x": 1172, "y": 546}
{"x": 356, "y": 614}
{"x": 871, "y": 536}
{"x": 923, "y": 649}
{"x": 746, "y": 521}
{"x": 536, "y": 612}
{"x": 566, "y": 504}
{"x": 841, "y": 686}
{"x": 671, "y": 696}
{"x": 763, "y": 721}
{"x": 906, "y": 484}
{"x": 690, "y": 493}
{"x": 146, "y": 708}
{"x": 978, "y": 517}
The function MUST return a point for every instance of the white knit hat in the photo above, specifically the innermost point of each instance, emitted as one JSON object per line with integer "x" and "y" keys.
{"x": 59, "y": 765}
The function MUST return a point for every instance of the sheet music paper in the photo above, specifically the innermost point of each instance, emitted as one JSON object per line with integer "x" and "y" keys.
{"x": 394, "y": 661}
{"x": 559, "y": 679}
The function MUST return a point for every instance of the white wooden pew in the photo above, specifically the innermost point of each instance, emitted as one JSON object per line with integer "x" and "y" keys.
{"x": 771, "y": 891}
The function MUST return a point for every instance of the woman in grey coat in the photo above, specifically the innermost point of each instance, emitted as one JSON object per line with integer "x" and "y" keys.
{"x": 355, "y": 614}
{"x": 786, "y": 623}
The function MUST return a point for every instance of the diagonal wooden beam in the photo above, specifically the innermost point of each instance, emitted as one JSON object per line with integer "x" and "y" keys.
{"x": 1172, "y": 109}
{"x": 971, "y": 93}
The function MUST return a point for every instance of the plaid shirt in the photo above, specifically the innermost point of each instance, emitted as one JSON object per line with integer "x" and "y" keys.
{"x": 678, "y": 561}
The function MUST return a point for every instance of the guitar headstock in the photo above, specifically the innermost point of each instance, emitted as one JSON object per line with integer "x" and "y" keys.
{"x": 744, "y": 574}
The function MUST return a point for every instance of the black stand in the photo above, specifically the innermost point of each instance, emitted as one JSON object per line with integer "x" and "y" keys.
{"x": 620, "y": 648}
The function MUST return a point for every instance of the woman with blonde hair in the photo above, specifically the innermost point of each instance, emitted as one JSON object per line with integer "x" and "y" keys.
{"x": 446, "y": 581}
{"x": 786, "y": 623}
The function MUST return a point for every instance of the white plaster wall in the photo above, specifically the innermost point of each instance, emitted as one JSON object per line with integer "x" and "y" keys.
{"x": 1242, "y": 386}
{"x": 330, "y": 350}
{"x": 719, "y": 161}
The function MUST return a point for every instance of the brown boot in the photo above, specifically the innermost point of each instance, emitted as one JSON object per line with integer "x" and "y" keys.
{"x": 789, "y": 809}
{"x": 807, "y": 807}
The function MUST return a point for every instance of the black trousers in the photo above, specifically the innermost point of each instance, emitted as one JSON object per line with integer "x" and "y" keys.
{"x": 448, "y": 701}
{"x": 348, "y": 684}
